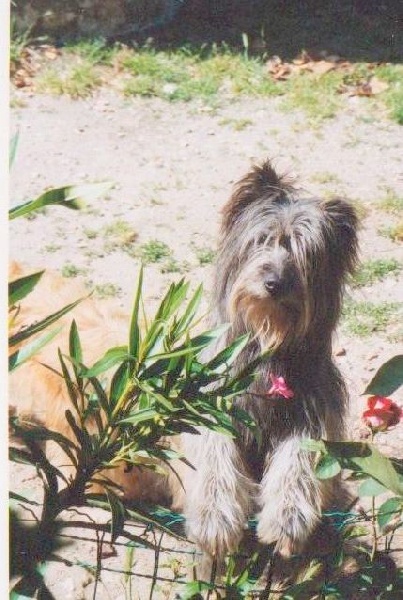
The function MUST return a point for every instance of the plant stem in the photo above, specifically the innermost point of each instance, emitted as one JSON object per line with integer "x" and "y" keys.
{"x": 374, "y": 533}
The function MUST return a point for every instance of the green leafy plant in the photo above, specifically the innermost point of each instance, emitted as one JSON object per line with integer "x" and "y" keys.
{"x": 159, "y": 388}
{"x": 376, "y": 474}
{"x": 364, "y": 318}
{"x": 153, "y": 251}
{"x": 375, "y": 270}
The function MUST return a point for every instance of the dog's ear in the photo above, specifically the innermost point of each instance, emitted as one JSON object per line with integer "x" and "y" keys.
{"x": 262, "y": 181}
{"x": 341, "y": 224}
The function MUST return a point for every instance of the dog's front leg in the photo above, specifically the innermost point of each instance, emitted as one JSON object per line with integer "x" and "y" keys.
{"x": 218, "y": 496}
{"x": 290, "y": 498}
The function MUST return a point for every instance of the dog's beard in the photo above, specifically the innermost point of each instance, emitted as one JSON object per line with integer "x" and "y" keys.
{"x": 274, "y": 323}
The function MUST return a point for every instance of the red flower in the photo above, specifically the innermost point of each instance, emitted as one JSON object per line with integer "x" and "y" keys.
{"x": 279, "y": 387}
{"x": 381, "y": 413}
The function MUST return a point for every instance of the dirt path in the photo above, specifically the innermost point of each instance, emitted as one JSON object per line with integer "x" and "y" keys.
{"x": 172, "y": 167}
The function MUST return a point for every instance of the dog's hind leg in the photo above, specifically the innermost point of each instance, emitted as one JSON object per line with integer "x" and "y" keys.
{"x": 219, "y": 497}
{"x": 291, "y": 498}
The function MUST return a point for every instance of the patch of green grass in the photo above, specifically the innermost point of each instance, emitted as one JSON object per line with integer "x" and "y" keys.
{"x": 156, "y": 74}
{"x": 119, "y": 235}
{"x": 375, "y": 270}
{"x": 364, "y": 318}
{"x": 91, "y": 253}
{"x": 70, "y": 270}
{"x": 394, "y": 233}
{"x": 239, "y": 75}
{"x": 184, "y": 75}
{"x": 392, "y": 203}
{"x": 393, "y": 75}
{"x": 52, "y": 248}
{"x": 325, "y": 177}
{"x": 204, "y": 254}
{"x": 107, "y": 290}
{"x": 153, "y": 251}
{"x": 77, "y": 80}
{"x": 96, "y": 51}
{"x": 154, "y": 201}
{"x": 16, "y": 101}
{"x": 91, "y": 234}
{"x": 19, "y": 40}
{"x": 172, "y": 265}
{"x": 206, "y": 73}
{"x": 315, "y": 95}
{"x": 236, "y": 124}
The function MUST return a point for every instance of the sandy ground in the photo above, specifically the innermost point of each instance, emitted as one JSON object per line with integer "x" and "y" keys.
{"x": 172, "y": 167}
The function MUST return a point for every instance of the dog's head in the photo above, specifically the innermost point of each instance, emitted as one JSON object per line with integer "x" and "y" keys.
{"x": 283, "y": 259}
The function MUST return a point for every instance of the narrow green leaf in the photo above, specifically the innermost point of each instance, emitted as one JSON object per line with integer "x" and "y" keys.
{"x": 163, "y": 401}
{"x": 194, "y": 345}
{"x": 140, "y": 416}
{"x": 18, "y": 498}
{"x": 355, "y": 531}
{"x": 134, "y": 330}
{"x": 153, "y": 339}
{"x": 390, "y": 509}
{"x": 188, "y": 316}
{"x": 37, "y": 433}
{"x": 172, "y": 300}
{"x": 119, "y": 383}
{"x": 118, "y": 514}
{"x": 19, "y": 288}
{"x": 195, "y": 589}
{"x": 69, "y": 196}
{"x": 81, "y": 434}
{"x": 41, "y": 325}
{"x": 100, "y": 394}
{"x": 174, "y": 370}
{"x": 20, "y": 456}
{"x": 30, "y": 349}
{"x": 13, "y": 149}
{"x": 229, "y": 354}
{"x": 75, "y": 348}
{"x": 388, "y": 378}
{"x": 112, "y": 357}
{"x": 129, "y": 561}
{"x": 71, "y": 388}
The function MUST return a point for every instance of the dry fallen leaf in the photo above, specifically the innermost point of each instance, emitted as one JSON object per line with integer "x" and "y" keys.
{"x": 22, "y": 78}
{"x": 378, "y": 86}
{"x": 273, "y": 64}
{"x": 277, "y": 69}
{"x": 319, "y": 67}
{"x": 371, "y": 87}
{"x": 50, "y": 52}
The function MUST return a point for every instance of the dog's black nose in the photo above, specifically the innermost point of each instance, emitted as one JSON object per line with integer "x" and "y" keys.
{"x": 272, "y": 285}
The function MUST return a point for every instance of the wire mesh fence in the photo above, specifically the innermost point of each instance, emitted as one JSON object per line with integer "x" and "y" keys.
{"x": 156, "y": 561}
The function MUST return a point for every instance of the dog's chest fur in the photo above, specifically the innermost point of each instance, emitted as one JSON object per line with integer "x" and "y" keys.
{"x": 316, "y": 385}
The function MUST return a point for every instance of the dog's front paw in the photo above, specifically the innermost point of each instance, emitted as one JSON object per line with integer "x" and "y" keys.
{"x": 289, "y": 529}
{"x": 216, "y": 532}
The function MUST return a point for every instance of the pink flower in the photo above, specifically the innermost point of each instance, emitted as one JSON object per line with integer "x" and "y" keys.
{"x": 279, "y": 387}
{"x": 381, "y": 413}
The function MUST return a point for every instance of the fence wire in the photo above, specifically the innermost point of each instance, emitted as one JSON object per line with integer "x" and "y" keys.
{"x": 166, "y": 546}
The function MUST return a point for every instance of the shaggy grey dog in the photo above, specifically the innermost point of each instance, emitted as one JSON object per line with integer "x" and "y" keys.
{"x": 280, "y": 272}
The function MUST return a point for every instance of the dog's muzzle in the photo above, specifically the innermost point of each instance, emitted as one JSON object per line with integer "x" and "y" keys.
{"x": 277, "y": 287}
